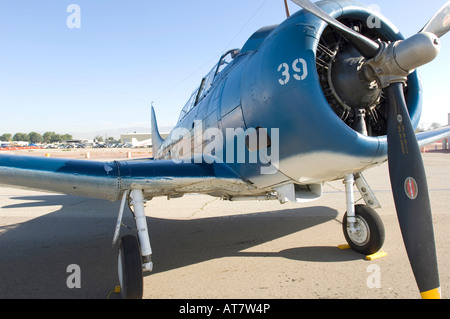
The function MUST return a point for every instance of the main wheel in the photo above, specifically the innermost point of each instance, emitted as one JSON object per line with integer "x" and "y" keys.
{"x": 130, "y": 268}
{"x": 369, "y": 235}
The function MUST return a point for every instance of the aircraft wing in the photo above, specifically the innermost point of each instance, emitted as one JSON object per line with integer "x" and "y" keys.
{"x": 428, "y": 137}
{"x": 109, "y": 179}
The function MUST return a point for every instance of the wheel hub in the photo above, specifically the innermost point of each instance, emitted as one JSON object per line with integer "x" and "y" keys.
{"x": 361, "y": 233}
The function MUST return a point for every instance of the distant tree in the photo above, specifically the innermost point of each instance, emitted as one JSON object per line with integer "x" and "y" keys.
{"x": 47, "y": 136}
{"x": 419, "y": 129}
{"x": 66, "y": 137}
{"x": 52, "y": 137}
{"x": 55, "y": 138}
{"x": 99, "y": 138}
{"x": 20, "y": 137}
{"x": 35, "y": 138}
{"x": 6, "y": 137}
{"x": 435, "y": 125}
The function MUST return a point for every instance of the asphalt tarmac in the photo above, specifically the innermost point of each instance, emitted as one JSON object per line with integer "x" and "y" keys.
{"x": 59, "y": 246}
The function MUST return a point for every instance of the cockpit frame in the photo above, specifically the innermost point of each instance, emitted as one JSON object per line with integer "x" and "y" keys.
{"x": 198, "y": 94}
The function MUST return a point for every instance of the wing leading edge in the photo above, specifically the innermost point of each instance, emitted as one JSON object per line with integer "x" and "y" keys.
{"x": 433, "y": 136}
{"x": 108, "y": 180}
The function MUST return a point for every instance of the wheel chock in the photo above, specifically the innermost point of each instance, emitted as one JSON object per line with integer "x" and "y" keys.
{"x": 377, "y": 255}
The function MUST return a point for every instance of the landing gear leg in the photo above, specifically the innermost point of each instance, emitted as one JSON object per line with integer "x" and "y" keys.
{"x": 141, "y": 224}
{"x": 362, "y": 226}
{"x": 134, "y": 252}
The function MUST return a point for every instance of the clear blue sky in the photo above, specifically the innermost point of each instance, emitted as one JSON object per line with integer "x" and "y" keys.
{"x": 126, "y": 54}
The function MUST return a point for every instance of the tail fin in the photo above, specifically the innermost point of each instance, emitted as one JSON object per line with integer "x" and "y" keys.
{"x": 157, "y": 140}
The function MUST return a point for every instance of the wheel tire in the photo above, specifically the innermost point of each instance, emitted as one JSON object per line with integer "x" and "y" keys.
{"x": 370, "y": 235}
{"x": 130, "y": 268}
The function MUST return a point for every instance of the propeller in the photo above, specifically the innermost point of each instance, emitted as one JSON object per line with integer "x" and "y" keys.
{"x": 364, "y": 45}
{"x": 389, "y": 64}
{"x": 439, "y": 24}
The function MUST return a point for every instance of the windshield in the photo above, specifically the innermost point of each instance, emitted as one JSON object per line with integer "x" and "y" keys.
{"x": 188, "y": 106}
{"x": 226, "y": 59}
{"x": 207, "y": 81}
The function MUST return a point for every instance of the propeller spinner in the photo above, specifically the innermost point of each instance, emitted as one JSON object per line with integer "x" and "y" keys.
{"x": 389, "y": 64}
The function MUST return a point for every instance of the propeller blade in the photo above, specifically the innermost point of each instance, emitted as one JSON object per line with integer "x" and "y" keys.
{"x": 407, "y": 173}
{"x": 410, "y": 190}
{"x": 439, "y": 24}
{"x": 364, "y": 45}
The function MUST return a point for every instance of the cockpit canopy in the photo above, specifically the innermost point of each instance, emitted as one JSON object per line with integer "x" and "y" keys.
{"x": 207, "y": 81}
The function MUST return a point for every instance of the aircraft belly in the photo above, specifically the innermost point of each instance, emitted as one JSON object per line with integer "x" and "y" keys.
{"x": 323, "y": 166}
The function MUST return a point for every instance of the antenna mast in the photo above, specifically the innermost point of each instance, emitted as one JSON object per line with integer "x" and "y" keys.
{"x": 287, "y": 9}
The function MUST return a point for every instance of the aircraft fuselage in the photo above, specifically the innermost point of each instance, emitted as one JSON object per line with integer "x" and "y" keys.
{"x": 272, "y": 91}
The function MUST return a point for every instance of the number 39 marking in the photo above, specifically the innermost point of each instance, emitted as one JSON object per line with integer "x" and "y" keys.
{"x": 299, "y": 73}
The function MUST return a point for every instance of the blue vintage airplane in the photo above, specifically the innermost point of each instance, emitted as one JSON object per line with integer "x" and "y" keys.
{"x": 323, "y": 96}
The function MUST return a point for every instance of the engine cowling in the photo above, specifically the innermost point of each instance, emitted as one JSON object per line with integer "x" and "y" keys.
{"x": 359, "y": 104}
{"x": 302, "y": 78}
